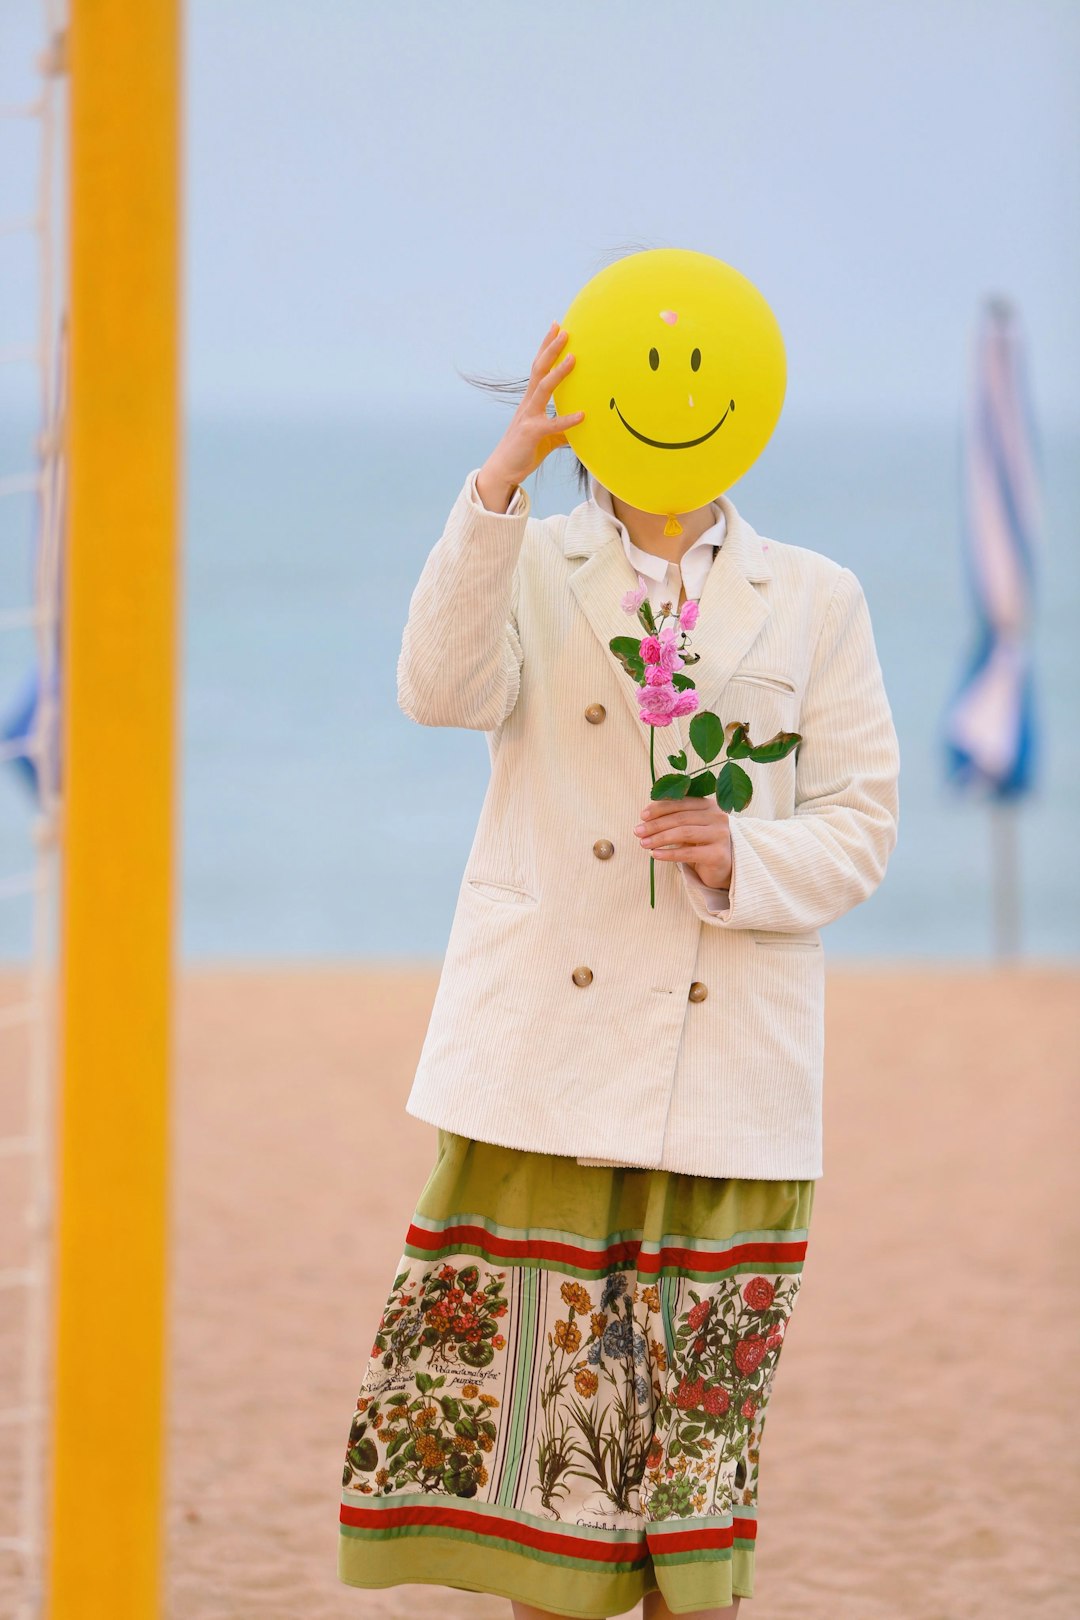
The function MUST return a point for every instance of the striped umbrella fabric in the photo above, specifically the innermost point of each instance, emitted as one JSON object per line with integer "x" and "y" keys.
{"x": 989, "y": 727}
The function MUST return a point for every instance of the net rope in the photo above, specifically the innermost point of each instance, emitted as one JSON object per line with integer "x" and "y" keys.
{"x": 34, "y": 1010}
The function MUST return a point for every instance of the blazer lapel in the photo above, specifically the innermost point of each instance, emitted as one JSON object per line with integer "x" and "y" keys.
{"x": 731, "y": 610}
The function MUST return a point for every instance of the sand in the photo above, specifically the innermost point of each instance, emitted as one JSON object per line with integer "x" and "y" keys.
{"x": 919, "y": 1458}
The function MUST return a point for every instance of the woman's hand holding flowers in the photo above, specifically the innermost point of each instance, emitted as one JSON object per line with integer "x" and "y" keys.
{"x": 686, "y": 818}
{"x": 694, "y": 831}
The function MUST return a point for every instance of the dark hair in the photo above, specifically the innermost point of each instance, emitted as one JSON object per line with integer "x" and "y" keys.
{"x": 512, "y": 389}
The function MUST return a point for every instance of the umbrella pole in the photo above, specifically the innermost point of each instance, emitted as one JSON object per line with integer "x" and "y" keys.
{"x": 1006, "y": 888}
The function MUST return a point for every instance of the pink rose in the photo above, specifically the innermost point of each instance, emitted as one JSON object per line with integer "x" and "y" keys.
{"x": 656, "y": 704}
{"x": 670, "y": 656}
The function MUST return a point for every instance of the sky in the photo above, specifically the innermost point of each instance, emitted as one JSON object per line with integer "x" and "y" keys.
{"x": 376, "y": 195}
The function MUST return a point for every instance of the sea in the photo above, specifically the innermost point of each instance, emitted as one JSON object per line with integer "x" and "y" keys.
{"x": 315, "y": 821}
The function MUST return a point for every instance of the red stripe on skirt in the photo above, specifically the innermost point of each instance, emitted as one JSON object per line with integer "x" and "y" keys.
{"x": 609, "y": 1552}
{"x": 695, "y": 1260}
{"x": 500, "y": 1248}
{"x": 666, "y": 1540}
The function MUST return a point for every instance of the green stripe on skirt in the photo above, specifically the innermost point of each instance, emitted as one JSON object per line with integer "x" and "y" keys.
{"x": 565, "y": 1396}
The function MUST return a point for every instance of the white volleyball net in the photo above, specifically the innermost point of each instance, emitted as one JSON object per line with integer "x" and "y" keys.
{"x": 32, "y": 489}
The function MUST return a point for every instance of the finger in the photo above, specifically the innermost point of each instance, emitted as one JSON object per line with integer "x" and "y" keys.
{"x": 557, "y": 337}
{"x": 543, "y": 388}
{"x": 678, "y": 852}
{"x": 685, "y": 835}
{"x": 658, "y": 813}
{"x": 672, "y": 819}
{"x": 543, "y": 382}
{"x": 560, "y": 423}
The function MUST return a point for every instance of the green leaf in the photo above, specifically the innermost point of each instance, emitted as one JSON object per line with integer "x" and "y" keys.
{"x": 776, "y": 748}
{"x": 734, "y": 789}
{"x": 450, "y": 1407}
{"x": 678, "y": 760}
{"x": 670, "y": 787}
{"x": 701, "y": 786}
{"x": 468, "y": 1427}
{"x": 423, "y": 1382}
{"x": 682, "y": 682}
{"x": 476, "y": 1355}
{"x": 738, "y": 736}
{"x": 692, "y": 1434}
{"x": 627, "y": 651}
{"x": 707, "y": 734}
{"x": 648, "y": 616}
{"x": 364, "y": 1457}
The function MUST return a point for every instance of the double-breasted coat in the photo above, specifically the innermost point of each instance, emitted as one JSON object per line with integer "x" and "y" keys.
{"x": 570, "y": 1016}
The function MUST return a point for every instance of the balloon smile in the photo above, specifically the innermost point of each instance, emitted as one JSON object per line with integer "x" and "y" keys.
{"x": 663, "y": 444}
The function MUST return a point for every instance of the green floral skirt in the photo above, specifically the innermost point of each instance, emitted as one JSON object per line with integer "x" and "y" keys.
{"x": 565, "y": 1398}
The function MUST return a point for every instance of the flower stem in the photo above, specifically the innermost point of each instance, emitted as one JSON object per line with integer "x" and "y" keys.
{"x": 652, "y": 858}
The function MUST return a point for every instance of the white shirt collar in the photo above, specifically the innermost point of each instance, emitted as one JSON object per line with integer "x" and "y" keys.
{"x": 647, "y": 562}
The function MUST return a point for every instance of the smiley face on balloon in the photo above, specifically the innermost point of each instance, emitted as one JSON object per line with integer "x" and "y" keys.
{"x": 681, "y": 372}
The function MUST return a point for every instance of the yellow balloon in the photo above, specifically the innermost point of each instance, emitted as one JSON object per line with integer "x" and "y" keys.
{"x": 681, "y": 372}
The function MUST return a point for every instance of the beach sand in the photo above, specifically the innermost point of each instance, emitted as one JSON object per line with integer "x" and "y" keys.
{"x": 918, "y": 1462}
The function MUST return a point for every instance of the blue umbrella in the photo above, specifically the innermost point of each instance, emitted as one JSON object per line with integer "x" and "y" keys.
{"x": 990, "y": 735}
{"x": 19, "y": 720}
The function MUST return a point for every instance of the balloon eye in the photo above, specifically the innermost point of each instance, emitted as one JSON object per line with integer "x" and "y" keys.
{"x": 654, "y": 359}
{"x": 695, "y": 360}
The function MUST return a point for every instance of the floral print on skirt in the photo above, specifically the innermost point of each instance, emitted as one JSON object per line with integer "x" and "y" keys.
{"x": 565, "y": 1396}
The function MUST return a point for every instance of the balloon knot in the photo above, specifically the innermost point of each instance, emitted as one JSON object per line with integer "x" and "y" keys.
{"x": 672, "y": 526}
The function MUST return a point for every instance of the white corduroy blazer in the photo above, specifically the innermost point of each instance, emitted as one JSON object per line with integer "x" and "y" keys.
{"x": 570, "y": 1016}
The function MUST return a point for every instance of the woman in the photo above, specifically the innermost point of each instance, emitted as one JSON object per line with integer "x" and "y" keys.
{"x": 565, "y": 1396}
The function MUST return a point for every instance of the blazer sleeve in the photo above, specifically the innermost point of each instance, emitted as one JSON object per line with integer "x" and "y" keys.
{"x": 460, "y": 659}
{"x": 799, "y": 872}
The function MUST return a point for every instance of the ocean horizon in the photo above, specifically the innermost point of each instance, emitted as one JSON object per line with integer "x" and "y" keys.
{"x": 317, "y": 822}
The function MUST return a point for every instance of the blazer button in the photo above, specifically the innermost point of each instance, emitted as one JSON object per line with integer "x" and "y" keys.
{"x": 582, "y": 975}
{"x": 603, "y": 849}
{"x": 698, "y": 991}
{"x": 595, "y": 713}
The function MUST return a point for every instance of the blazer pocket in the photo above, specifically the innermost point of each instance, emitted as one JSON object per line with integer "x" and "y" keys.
{"x": 503, "y": 893}
{"x": 787, "y": 942}
{"x": 764, "y": 677}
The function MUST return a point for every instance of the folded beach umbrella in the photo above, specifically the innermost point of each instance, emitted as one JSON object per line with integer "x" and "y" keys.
{"x": 17, "y": 727}
{"x": 989, "y": 732}
{"x": 32, "y": 716}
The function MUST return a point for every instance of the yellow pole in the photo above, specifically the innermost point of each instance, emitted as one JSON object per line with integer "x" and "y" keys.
{"x": 120, "y": 594}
